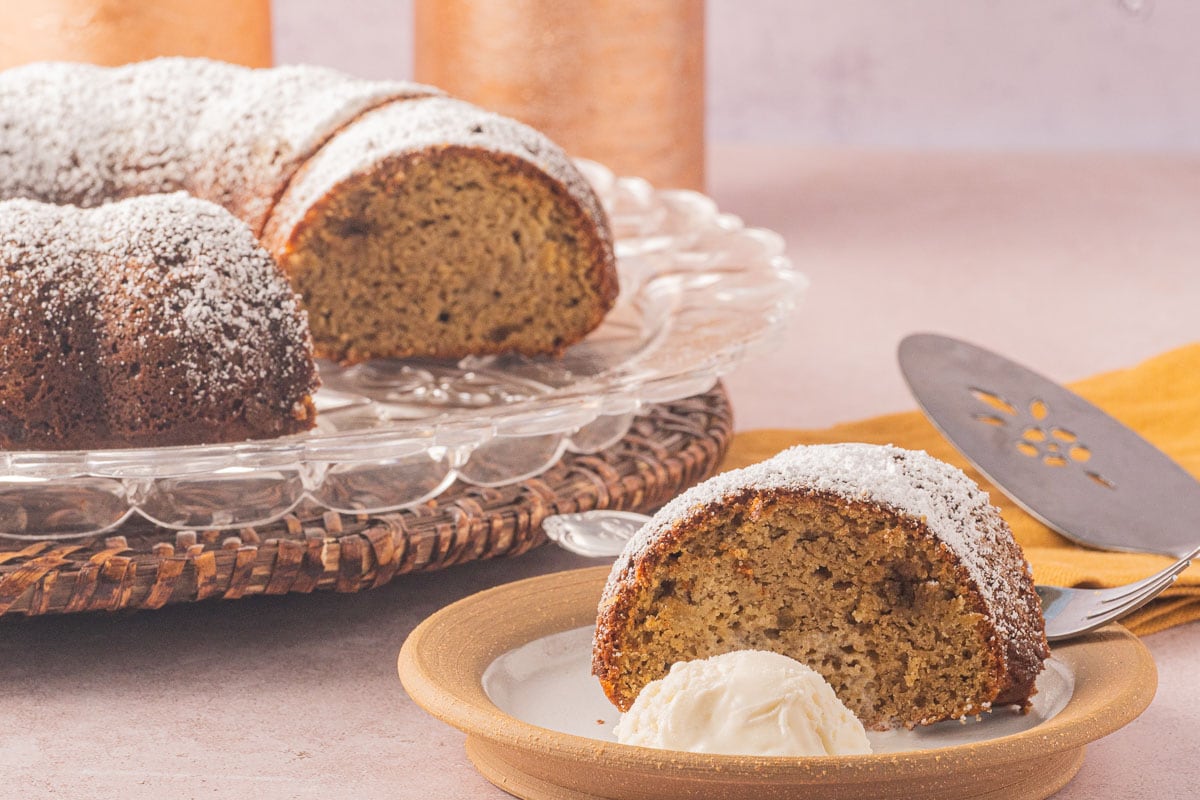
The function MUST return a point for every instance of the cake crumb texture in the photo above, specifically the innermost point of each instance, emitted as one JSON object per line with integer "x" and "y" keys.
{"x": 434, "y": 228}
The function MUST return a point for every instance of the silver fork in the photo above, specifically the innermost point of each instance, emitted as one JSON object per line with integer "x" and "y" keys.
{"x": 1071, "y": 612}
{"x": 1068, "y": 612}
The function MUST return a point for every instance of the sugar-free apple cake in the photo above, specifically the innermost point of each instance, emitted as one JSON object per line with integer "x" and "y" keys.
{"x": 411, "y": 224}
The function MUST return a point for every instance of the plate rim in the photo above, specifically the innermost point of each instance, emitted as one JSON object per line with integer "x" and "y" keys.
{"x": 431, "y": 661}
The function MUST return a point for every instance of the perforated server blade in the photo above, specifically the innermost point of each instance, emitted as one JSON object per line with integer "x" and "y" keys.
{"x": 1063, "y": 460}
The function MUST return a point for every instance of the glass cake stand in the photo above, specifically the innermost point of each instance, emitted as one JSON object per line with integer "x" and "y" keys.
{"x": 697, "y": 288}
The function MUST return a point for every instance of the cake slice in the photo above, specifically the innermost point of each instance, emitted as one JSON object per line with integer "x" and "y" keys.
{"x": 883, "y": 569}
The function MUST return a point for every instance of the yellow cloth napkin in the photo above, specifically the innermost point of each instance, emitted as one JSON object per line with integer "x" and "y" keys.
{"x": 1160, "y": 399}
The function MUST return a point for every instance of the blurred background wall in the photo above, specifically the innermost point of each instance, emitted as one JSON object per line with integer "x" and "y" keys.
{"x": 956, "y": 74}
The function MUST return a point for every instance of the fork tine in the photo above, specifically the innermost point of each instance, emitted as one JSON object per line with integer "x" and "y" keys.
{"x": 1070, "y": 612}
{"x": 1133, "y": 603}
{"x": 1151, "y": 585}
{"x": 1154, "y": 580}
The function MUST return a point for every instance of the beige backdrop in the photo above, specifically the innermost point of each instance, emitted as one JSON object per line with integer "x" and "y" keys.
{"x": 1057, "y": 74}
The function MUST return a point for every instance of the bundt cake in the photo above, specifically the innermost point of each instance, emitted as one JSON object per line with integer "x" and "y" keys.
{"x": 885, "y": 570}
{"x": 412, "y": 225}
{"x": 156, "y": 320}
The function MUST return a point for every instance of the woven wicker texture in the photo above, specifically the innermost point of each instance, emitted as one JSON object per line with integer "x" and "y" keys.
{"x": 669, "y": 447}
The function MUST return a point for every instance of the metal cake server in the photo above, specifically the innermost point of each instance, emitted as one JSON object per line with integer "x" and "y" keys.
{"x": 1066, "y": 462}
{"x": 1068, "y": 612}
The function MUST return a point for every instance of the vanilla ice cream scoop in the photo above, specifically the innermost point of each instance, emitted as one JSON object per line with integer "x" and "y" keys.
{"x": 748, "y": 702}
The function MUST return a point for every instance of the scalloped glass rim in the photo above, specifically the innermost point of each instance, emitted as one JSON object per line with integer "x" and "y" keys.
{"x": 697, "y": 288}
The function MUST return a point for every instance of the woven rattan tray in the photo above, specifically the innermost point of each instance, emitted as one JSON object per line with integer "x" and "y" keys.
{"x": 668, "y": 448}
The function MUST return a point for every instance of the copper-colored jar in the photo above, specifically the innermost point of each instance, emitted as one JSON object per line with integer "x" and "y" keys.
{"x": 113, "y": 32}
{"x": 618, "y": 81}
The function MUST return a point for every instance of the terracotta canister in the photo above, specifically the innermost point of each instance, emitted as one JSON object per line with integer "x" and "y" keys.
{"x": 113, "y": 32}
{"x": 618, "y": 81}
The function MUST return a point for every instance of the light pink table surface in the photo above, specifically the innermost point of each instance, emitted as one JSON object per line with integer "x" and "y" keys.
{"x": 1072, "y": 264}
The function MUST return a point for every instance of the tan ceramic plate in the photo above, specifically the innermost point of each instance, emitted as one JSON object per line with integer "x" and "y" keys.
{"x": 443, "y": 663}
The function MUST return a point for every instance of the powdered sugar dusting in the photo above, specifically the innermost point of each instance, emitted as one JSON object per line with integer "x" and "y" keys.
{"x": 151, "y": 270}
{"x": 419, "y": 124}
{"x": 910, "y": 483}
{"x": 86, "y": 135}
